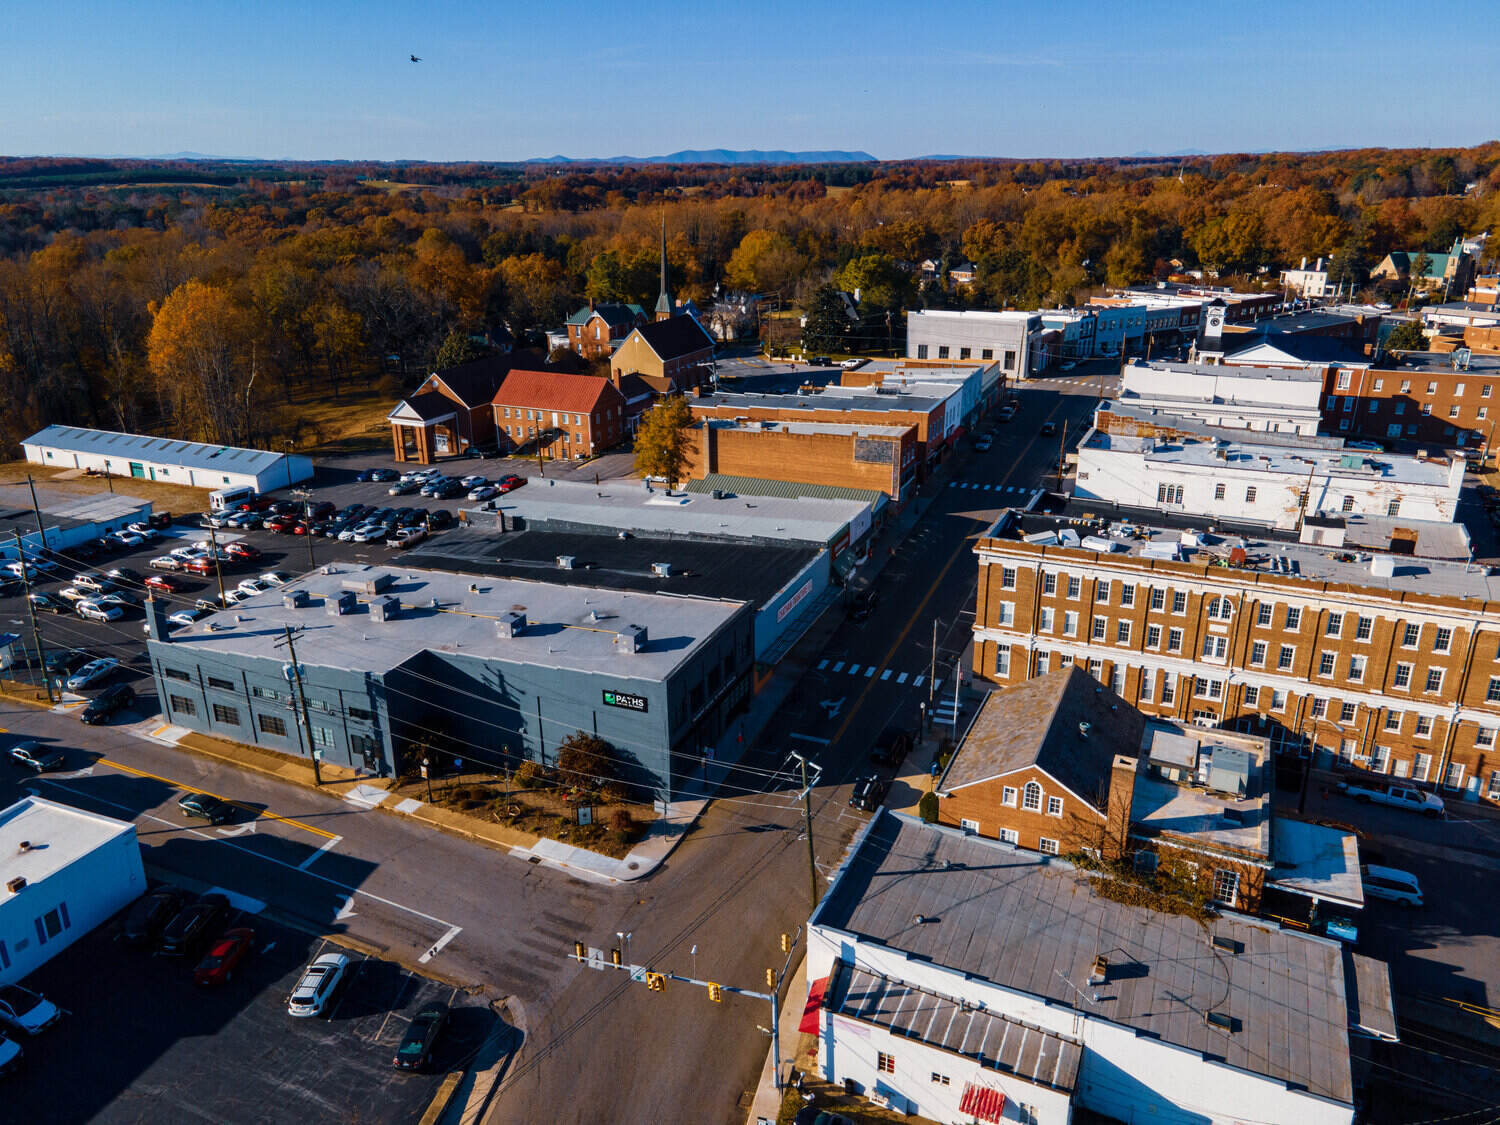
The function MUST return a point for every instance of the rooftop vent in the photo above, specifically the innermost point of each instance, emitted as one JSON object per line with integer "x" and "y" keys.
{"x": 1227, "y": 945}
{"x": 25, "y": 846}
{"x": 337, "y": 605}
{"x": 631, "y": 638}
{"x": 1099, "y": 973}
{"x": 15, "y": 885}
{"x": 662, "y": 570}
{"x": 511, "y": 624}
{"x": 1221, "y": 1020}
{"x": 718, "y": 494}
{"x": 566, "y": 562}
{"x": 385, "y": 609}
{"x": 294, "y": 599}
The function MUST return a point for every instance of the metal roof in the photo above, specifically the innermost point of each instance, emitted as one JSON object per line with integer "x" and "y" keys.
{"x": 788, "y": 489}
{"x": 1033, "y": 924}
{"x": 168, "y": 451}
{"x": 1008, "y": 1046}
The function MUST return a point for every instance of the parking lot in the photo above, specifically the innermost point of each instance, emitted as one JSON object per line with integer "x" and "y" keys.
{"x": 150, "y": 1045}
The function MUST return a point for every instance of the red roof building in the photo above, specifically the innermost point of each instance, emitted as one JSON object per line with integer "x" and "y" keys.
{"x": 565, "y": 416}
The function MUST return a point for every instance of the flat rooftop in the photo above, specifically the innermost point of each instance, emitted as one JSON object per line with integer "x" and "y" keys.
{"x": 918, "y": 369}
{"x": 67, "y": 509}
{"x": 847, "y": 429}
{"x": 627, "y": 505}
{"x": 572, "y": 627}
{"x": 1015, "y": 316}
{"x": 738, "y": 486}
{"x": 1164, "y": 416}
{"x": 58, "y": 834}
{"x": 1264, "y": 457}
{"x": 1032, "y": 923}
{"x": 1436, "y": 362}
{"x": 1312, "y": 859}
{"x": 740, "y": 572}
{"x": 819, "y": 401}
{"x": 1150, "y": 534}
{"x": 1240, "y": 824}
{"x": 1215, "y": 371}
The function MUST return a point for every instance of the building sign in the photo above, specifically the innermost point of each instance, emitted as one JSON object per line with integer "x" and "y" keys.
{"x": 626, "y": 700}
{"x": 792, "y": 602}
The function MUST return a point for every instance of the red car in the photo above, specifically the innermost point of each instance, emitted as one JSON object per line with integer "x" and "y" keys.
{"x": 243, "y": 551}
{"x": 224, "y": 956}
{"x": 511, "y": 482}
{"x": 163, "y": 583}
{"x": 258, "y": 504}
{"x": 281, "y": 524}
{"x": 300, "y": 527}
{"x": 203, "y": 567}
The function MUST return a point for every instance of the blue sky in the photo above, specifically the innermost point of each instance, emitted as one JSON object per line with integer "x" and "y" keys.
{"x": 327, "y": 79}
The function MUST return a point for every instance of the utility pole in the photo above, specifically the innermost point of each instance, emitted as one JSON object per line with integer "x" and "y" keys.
{"x": 36, "y": 509}
{"x": 932, "y": 667}
{"x": 213, "y": 540}
{"x": 313, "y": 752}
{"x": 812, "y": 862}
{"x": 1062, "y": 446}
{"x": 36, "y": 633}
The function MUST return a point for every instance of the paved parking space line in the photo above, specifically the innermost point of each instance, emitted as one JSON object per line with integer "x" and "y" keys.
{"x": 809, "y": 738}
{"x": 839, "y": 667}
{"x": 437, "y": 946}
{"x": 266, "y": 814}
{"x": 918, "y": 681}
{"x": 854, "y": 669}
{"x": 303, "y": 866}
{"x": 870, "y": 671}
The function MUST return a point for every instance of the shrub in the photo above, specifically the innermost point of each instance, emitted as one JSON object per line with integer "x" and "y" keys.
{"x": 614, "y": 794}
{"x": 623, "y": 823}
{"x": 529, "y": 775}
{"x": 927, "y": 807}
{"x": 585, "y": 759}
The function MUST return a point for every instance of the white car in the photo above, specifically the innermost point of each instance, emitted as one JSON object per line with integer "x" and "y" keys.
{"x": 93, "y": 611}
{"x": 185, "y": 553}
{"x": 26, "y": 1011}
{"x": 1391, "y": 884}
{"x": 144, "y": 530}
{"x": 75, "y": 594}
{"x": 484, "y": 492}
{"x": 319, "y": 982}
{"x": 275, "y": 578}
{"x": 128, "y": 538}
{"x": 188, "y": 616}
{"x": 851, "y": 364}
{"x": 371, "y": 533}
{"x": 36, "y": 566}
{"x": 166, "y": 562}
{"x": 473, "y": 481}
{"x": 92, "y": 673}
{"x": 252, "y": 586}
{"x": 347, "y": 535}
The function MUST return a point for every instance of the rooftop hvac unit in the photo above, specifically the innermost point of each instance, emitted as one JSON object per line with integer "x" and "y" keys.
{"x": 337, "y": 605}
{"x": 565, "y": 562}
{"x": 631, "y": 638}
{"x": 368, "y": 584}
{"x": 385, "y": 609}
{"x": 15, "y": 885}
{"x": 510, "y": 624}
{"x": 294, "y": 599}
{"x": 718, "y": 494}
{"x": 1227, "y": 771}
{"x": 662, "y": 570}
{"x": 1382, "y": 566}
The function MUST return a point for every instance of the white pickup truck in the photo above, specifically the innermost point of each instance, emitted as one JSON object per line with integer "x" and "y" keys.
{"x": 1390, "y": 793}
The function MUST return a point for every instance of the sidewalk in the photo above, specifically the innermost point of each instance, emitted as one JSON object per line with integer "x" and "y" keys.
{"x": 765, "y": 1107}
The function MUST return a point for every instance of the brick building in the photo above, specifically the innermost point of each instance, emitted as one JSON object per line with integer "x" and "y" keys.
{"x": 449, "y": 413}
{"x": 675, "y": 348}
{"x": 598, "y": 328}
{"x": 879, "y": 458}
{"x": 567, "y": 416}
{"x": 1386, "y": 661}
{"x": 1441, "y": 400}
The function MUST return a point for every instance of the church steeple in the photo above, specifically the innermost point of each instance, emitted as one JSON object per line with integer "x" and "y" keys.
{"x": 664, "y": 301}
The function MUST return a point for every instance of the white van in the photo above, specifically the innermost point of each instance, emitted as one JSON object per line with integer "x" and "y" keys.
{"x": 1392, "y": 885}
{"x": 228, "y": 497}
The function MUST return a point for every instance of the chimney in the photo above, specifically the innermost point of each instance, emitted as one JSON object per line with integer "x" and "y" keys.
{"x": 156, "y": 619}
{"x": 1117, "y": 813}
{"x": 591, "y": 306}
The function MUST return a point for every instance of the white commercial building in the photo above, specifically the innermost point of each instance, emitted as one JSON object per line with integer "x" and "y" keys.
{"x": 1264, "y": 400}
{"x": 63, "y": 871}
{"x": 1308, "y": 283}
{"x": 193, "y": 463}
{"x": 959, "y": 978}
{"x": 1006, "y": 337}
{"x": 1277, "y": 486}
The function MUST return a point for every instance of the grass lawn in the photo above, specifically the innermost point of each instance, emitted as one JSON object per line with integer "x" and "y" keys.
{"x": 165, "y": 497}
{"x": 353, "y": 421}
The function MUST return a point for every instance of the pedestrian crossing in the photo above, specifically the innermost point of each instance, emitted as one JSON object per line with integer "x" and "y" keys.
{"x": 869, "y": 672}
{"x": 944, "y": 711}
{"x": 1018, "y": 488}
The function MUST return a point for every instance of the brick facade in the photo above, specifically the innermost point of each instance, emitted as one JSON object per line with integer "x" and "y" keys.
{"x": 883, "y": 463}
{"x": 923, "y": 422}
{"x": 997, "y": 809}
{"x": 1442, "y": 407}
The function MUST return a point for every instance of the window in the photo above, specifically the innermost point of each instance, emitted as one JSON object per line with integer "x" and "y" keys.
{"x": 176, "y": 674}
{"x": 942, "y": 351}
{"x": 1158, "y": 598}
{"x": 361, "y": 714}
{"x": 1432, "y": 388}
{"x": 1169, "y": 687}
{"x": 322, "y": 737}
{"x": 1044, "y": 625}
{"x": 1406, "y": 386}
{"x": 1293, "y": 619}
{"x": 1346, "y": 712}
{"x": 364, "y": 744}
{"x": 1010, "y": 361}
{"x": 1443, "y": 641}
{"x": 1075, "y": 587}
{"x": 1380, "y": 759}
{"x": 1174, "y": 640}
{"x": 885, "y": 1063}
{"x": 1008, "y": 796}
{"x": 1453, "y": 411}
{"x": 964, "y": 353}
{"x": 1002, "y": 660}
{"x": 987, "y": 353}
{"x": 1215, "y": 648}
{"x": 271, "y": 724}
{"x": 1153, "y": 636}
{"x": 1009, "y": 836}
{"x": 1458, "y": 390}
{"x": 1054, "y": 806}
{"x": 1335, "y": 625}
{"x": 1122, "y": 632}
{"x": 1484, "y": 412}
{"x": 1101, "y": 591}
{"x": 1278, "y": 700}
{"x": 220, "y": 684}
{"x": 941, "y": 1079}
{"x": 1484, "y": 737}
{"x": 1263, "y": 614}
{"x": 1041, "y": 663}
{"x": 1258, "y": 653}
{"x": 1148, "y": 683}
{"x": 1252, "y": 695}
{"x": 1127, "y": 595}
{"x": 1343, "y": 383}
{"x": 1363, "y": 628}
{"x": 1326, "y": 662}
{"x": 1007, "y": 578}
{"x": 1100, "y": 624}
{"x": 969, "y": 826}
{"x": 1031, "y": 797}
{"x": 1250, "y": 495}
{"x": 1169, "y": 494}
{"x": 1393, "y": 720}
{"x": 1357, "y": 668}
{"x": 1402, "y": 676}
{"x": 1285, "y": 657}
{"x": 1220, "y": 609}
{"x": 1207, "y": 689}
{"x": 1179, "y": 602}
{"x": 182, "y": 705}
{"x": 1049, "y": 583}
{"x": 921, "y": 351}
{"x": 1226, "y": 886}
{"x": 1492, "y": 692}
{"x": 1420, "y": 767}
{"x": 1434, "y": 680}
{"x": 1412, "y": 636}
{"x": 1454, "y": 779}
{"x": 1046, "y": 846}
{"x": 1424, "y": 726}
{"x": 1219, "y": 491}
{"x": 1320, "y": 708}
{"x": 223, "y": 714}
{"x": 1070, "y": 624}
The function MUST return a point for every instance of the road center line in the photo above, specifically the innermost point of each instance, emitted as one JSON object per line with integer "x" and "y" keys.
{"x": 265, "y": 814}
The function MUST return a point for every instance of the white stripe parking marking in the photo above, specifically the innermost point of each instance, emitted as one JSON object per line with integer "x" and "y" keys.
{"x": 918, "y": 681}
{"x": 901, "y": 679}
{"x": 303, "y": 866}
{"x": 437, "y": 946}
{"x": 854, "y": 669}
{"x": 870, "y": 671}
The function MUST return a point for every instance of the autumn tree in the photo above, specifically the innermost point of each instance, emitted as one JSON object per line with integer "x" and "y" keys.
{"x": 458, "y": 348}
{"x": 764, "y": 261}
{"x": 664, "y": 441}
{"x": 198, "y": 350}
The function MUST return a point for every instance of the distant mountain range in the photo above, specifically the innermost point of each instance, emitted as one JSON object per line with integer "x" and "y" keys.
{"x": 1176, "y": 152}
{"x": 722, "y": 156}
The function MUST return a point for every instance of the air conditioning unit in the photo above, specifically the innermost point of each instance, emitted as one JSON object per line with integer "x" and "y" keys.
{"x": 566, "y": 562}
{"x": 15, "y": 885}
{"x": 662, "y": 570}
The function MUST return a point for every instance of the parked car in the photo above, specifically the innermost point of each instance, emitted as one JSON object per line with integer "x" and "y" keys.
{"x": 851, "y": 364}
{"x": 165, "y": 562}
{"x": 473, "y": 480}
{"x": 1391, "y": 884}
{"x": 863, "y": 604}
{"x": 94, "y": 672}
{"x": 281, "y": 524}
{"x": 49, "y": 602}
{"x": 75, "y": 595}
{"x": 161, "y": 583}
{"x": 380, "y": 476}
{"x": 144, "y": 530}
{"x": 371, "y": 533}
{"x": 421, "y": 1037}
{"x": 365, "y": 475}
{"x": 123, "y": 574}
{"x": 983, "y": 443}
{"x": 148, "y": 916}
{"x": 214, "y": 519}
{"x": 320, "y": 981}
{"x": 204, "y": 568}
{"x": 127, "y": 538}
{"x": 486, "y": 452}
{"x": 483, "y": 492}
{"x": 439, "y": 518}
{"x": 407, "y": 537}
{"x": 34, "y": 756}
{"x": 510, "y": 483}
{"x": 275, "y": 578}
{"x": 403, "y": 488}
{"x": 242, "y": 552}
{"x": 96, "y": 583}
{"x": 65, "y": 661}
{"x": 191, "y": 929}
{"x": 893, "y": 747}
{"x": 188, "y": 616}
{"x": 205, "y": 806}
{"x": 869, "y": 792}
{"x": 1048, "y": 429}
{"x": 107, "y": 703}
{"x": 1395, "y": 794}
{"x": 224, "y": 956}
{"x": 252, "y": 586}
{"x": 95, "y": 611}
{"x": 124, "y": 599}
{"x": 25, "y": 1011}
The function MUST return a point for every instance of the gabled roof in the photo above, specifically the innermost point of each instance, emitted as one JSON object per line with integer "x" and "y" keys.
{"x": 616, "y": 315}
{"x": 429, "y": 406}
{"x": 144, "y": 447}
{"x": 1290, "y": 348}
{"x": 675, "y": 337}
{"x": 474, "y": 383}
{"x": 1036, "y": 724}
{"x": 552, "y": 390}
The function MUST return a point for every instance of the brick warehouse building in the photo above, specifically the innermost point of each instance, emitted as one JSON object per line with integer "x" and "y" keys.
{"x": 1388, "y": 662}
{"x": 876, "y": 458}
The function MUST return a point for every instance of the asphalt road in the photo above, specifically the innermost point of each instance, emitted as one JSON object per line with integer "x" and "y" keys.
{"x": 741, "y": 877}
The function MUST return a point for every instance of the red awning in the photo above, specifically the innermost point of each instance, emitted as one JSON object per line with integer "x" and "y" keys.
{"x": 983, "y": 1102}
{"x": 810, "y": 1022}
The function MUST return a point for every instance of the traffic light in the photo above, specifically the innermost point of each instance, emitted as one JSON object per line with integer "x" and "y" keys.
{"x": 786, "y": 943}
{"x": 771, "y": 979}
{"x": 656, "y": 982}
{"x": 579, "y": 953}
{"x": 716, "y": 992}
{"x": 614, "y": 958}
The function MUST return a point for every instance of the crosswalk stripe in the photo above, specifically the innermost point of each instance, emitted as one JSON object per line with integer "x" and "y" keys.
{"x": 901, "y": 679}
{"x": 839, "y": 667}
{"x": 885, "y": 675}
{"x": 854, "y": 669}
{"x": 822, "y": 664}
{"x": 870, "y": 671}
{"x": 918, "y": 681}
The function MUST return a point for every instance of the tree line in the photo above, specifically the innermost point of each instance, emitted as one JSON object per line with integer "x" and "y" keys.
{"x": 209, "y": 300}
